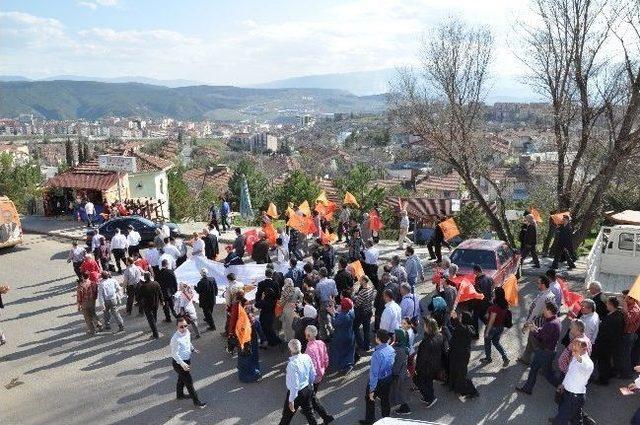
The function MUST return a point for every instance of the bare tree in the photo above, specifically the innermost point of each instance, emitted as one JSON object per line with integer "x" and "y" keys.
{"x": 594, "y": 95}
{"x": 442, "y": 106}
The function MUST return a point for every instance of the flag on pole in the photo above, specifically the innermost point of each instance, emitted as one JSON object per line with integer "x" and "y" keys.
{"x": 326, "y": 210}
{"x": 328, "y": 238}
{"x": 305, "y": 209}
{"x": 322, "y": 198}
{"x": 270, "y": 233}
{"x": 272, "y": 211}
{"x": 356, "y": 269}
{"x": 297, "y": 222}
{"x": 350, "y": 199}
{"x": 375, "y": 223}
{"x": 246, "y": 211}
{"x": 466, "y": 292}
{"x": 449, "y": 228}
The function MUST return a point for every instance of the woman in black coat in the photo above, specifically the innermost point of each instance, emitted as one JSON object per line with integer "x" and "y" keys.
{"x": 459, "y": 354}
{"x": 429, "y": 364}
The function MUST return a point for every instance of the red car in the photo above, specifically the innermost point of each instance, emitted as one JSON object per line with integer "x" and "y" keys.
{"x": 497, "y": 260}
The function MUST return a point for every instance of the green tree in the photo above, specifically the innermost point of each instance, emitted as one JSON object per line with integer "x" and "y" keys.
{"x": 180, "y": 200}
{"x": 296, "y": 188}
{"x": 68, "y": 148}
{"x": 472, "y": 221}
{"x": 256, "y": 181}
{"x": 21, "y": 183}
{"x": 359, "y": 181}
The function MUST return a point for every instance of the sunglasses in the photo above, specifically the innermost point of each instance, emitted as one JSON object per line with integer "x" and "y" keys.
{"x": 182, "y": 326}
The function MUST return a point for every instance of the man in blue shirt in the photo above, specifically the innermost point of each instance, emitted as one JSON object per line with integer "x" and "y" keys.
{"x": 300, "y": 377}
{"x": 224, "y": 215}
{"x": 414, "y": 269}
{"x": 379, "y": 383}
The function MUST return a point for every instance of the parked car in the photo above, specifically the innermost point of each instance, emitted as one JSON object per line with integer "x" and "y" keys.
{"x": 144, "y": 226}
{"x": 614, "y": 260}
{"x": 497, "y": 260}
{"x": 10, "y": 226}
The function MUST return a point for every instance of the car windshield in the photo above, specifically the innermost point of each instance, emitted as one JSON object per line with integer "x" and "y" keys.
{"x": 468, "y": 257}
{"x": 143, "y": 220}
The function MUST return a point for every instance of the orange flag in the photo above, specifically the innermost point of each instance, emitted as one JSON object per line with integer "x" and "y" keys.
{"x": 297, "y": 222}
{"x": 322, "y": 198}
{"x": 272, "y": 211}
{"x": 634, "y": 292}
{"x": 305, "y": 209}
{"x": 536, "y": 215}
{"x": 350, "y": 199}
{"x": 510, "y": 287}
{"x": 310, "y": 226}
{"x": 270, "y": 233}
{"x": 375, "y": 223}
{"x": 449, "y": 228}
{"x": 356, "y": 269}
{"x": 290, "y": 210}
{"x": 328, "y": 237}
{"x": 326, "y": 210}
{"x": 243, "y": 327}
{"x": 466, "y": 292}
{"x": 557, "y": 218}
{"x": 250, "y": 239}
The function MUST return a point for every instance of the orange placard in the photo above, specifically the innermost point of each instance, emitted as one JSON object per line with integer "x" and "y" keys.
{"x": 510, "y": 287}
{"x": 272, "y": 211}
{"x": 449, "y": 228}
{"x": 350, "y": 199}
{"x": 536, "y": 215}
{"x": 243, "y": 327}
{"x": 305, "y": 209}
{"x": 356, "y": 269}
{"x": 557, "y": 218}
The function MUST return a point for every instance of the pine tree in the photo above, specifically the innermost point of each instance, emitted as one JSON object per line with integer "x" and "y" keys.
{"x": 68, "y": 146}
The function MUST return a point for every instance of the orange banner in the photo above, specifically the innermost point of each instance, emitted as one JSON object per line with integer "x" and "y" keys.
{"x": 297, "y": 222}
{"x": 272, "y": 210}
{"x": 305, "y": 209}
{"x": 326, "y": 210}
{"x": 270, "y": 233}
{"x": 557, "y": 218}
{"x": 466, "y": 292}
{"x": 322, "y": 198}
{"x": 510, "y": 287}
{"x": 350, "y": 199}
{"x": 375, "y": 223}
{"x": 536, "y": 215}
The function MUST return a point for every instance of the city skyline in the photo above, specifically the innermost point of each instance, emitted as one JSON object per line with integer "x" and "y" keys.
{"x": 228, "y": 43}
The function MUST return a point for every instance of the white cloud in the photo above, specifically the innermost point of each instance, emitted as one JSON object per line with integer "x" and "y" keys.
{"x": 93, "y": 4}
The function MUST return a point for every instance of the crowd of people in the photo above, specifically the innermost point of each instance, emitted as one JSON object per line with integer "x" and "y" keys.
{"x": 327, "y": 314}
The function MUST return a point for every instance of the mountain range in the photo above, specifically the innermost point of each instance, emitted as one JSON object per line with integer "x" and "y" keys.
{"x": 92, "y": 100}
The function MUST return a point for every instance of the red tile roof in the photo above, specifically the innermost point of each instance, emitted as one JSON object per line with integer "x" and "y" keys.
{"x": 198, "y": 178}
{"x": 85, "y": 176}
{"x": 450, "y": 182}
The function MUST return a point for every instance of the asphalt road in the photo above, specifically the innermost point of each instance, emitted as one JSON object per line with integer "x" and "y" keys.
{"x": 51, "y": 373}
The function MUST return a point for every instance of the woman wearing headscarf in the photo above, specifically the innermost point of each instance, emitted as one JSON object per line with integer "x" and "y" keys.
{"x": 290, "y": 296}
{"x": 248, "y": 355}
{"x": 183, "y": 306}
{"x": 343, "y": 343}
{"x": 399, "y": 373}
{"x": 429, "y": 364}
{"x": 459, "y": 353}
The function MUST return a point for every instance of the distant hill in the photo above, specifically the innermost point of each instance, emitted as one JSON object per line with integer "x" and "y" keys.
{"x": 92, "y": 100}
{"x": 126, "y": 79}
{"x": 363, "y": 83}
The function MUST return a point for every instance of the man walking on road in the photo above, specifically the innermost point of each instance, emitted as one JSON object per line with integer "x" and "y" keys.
{"x": 86, "y": 296}
{"x": 207, "y": 289}
{"x": 169, "y": 286}
{"x": 108, "y": 291}
{"x": 118, "y": 248}
{"x": 76, "y": 257}
{"x": 133, "y": 240}
{"x": 181, "y": 350}
{"x": 150, "y": 296}
{"x": 300, "y": 377}
{"x": 131, "y": 280}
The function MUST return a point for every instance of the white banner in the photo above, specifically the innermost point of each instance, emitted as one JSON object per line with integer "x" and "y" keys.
{"x": 249, "y": 274}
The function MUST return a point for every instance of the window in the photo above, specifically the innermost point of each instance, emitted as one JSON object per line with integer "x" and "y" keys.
{"x": 504, "y": 254}
{"x": 466, "y": 258}
{"x": 625, "y": 241}
{"x": 162, "y": 185}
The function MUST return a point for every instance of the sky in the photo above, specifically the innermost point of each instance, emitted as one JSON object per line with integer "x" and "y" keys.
{"x": 236, "y": 42}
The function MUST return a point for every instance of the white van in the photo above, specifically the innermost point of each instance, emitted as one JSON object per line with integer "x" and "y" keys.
{"x": 10, "y": 226}
{"x": 614, "y": 260}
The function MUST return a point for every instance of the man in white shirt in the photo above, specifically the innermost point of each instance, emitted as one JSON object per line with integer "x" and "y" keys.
{"x": 171, "y": 261}
{"x": 181, "y": 350}
{"x": 299, "y": 379}
{"x": 197, "y": 245}
{"x": 391, "y": 316}
{"x": 131, "y": 280}
{"x": 76, "y": 256}
{"x": 574, "y": 385}
{"x": 108, "y": 289}
{"x": 90, "y": 210}
{"x": 554, "y": 286}
{"x": 153, "y": 258}
{"x": 590, "y": 319}
{"x": 95, "y": 243}
{"x": 118, "y": 248}
{"x": 133, "y": 241}
{"x": 170, "y": 248}
{"x": 404, "y": 229}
